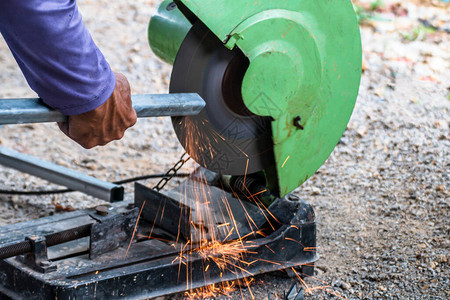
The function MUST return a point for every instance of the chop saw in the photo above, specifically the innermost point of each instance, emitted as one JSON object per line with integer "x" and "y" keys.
{"x": 260, "y": 94}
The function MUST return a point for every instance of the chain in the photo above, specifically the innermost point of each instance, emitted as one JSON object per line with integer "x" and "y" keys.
{"x": 172, "y": 172}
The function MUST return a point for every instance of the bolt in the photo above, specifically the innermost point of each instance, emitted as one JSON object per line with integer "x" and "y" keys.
{"x": 293, "y": 197}
{"x": 171, "y": 6}
{"x": 297, "y": 124}
{"x": 33, "y": 237}
{"x": 101, "y": 210}
{"x": 45, "y": 263}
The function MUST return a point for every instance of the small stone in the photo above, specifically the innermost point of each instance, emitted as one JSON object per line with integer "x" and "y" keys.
{"x": 91, "y": 166}
{"x": 136, "y": 59}
{"x": 442, "y": 258}
{"x": 434, "y": 264}
{"x": 316, "y": 191}
{"x": 364, "y": 65}
{"x": 345, "y": 286}
{"x": 382, "y": 288}
{"x": 440, "y": 188}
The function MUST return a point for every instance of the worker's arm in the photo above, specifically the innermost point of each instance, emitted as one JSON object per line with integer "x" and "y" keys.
{"x": 66, "y": 69}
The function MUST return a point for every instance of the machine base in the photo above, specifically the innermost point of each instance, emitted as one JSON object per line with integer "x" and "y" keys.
{"x": 157, "y": 262}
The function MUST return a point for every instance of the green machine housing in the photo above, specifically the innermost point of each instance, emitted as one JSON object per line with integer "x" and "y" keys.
{"x": 305, "y": 68}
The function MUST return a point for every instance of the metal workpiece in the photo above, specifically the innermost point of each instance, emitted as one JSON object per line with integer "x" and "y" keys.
{"x": 167, "y": 105}
{"x": 60, "y": 175}
{"x": 29, "y": 110}
{"x": 19, "y": 111}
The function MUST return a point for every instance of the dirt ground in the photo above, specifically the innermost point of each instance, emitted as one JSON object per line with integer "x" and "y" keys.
{"x": 381, "y": 199}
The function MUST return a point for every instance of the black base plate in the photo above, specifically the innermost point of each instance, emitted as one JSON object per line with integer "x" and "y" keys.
{"x": 154, "y": 267}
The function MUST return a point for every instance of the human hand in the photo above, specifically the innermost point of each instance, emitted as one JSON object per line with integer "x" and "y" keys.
{"x": 105, "y": 123}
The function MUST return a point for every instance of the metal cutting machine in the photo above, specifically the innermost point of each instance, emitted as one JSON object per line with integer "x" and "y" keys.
{"x": 260, "y": 94}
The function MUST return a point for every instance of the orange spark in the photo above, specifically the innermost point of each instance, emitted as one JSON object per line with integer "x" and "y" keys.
{"x": 286, "y": 161}
{"x": 134, "y": 230}
{"x": 245, "y": 174}
{"x": 270, "y": 249}
{"x": 256, "y": 194}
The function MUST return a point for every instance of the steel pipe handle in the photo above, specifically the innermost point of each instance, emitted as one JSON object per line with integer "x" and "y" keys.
{"x": 32, "y": 110}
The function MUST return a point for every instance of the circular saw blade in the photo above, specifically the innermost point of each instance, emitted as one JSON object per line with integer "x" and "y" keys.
{"x": 225, "y": 137}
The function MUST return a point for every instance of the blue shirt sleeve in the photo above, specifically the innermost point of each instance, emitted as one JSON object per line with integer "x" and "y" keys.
{"x": 56, "y": 53}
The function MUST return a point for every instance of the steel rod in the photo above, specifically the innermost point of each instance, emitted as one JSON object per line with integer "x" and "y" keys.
{"x": 51, "y": 240}
{"x": 60, "y": 175}
{"x": 29, "y": 110}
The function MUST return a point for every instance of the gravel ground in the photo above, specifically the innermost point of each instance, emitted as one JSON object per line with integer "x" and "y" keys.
{"x": 381, "y": 200}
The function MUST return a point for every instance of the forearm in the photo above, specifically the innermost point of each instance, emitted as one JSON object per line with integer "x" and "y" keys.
{"x": 56, "y": 53}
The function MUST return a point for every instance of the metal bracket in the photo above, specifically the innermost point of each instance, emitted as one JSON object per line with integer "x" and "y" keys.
{"x": 37, "y": 259}
{"x": 112, "y": 231}
{"x": 163, "y": 211}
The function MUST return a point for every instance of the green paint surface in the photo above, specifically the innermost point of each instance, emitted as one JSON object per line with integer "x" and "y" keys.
{"x": 166, "y": 31}
{"x": 305, "y": 60}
